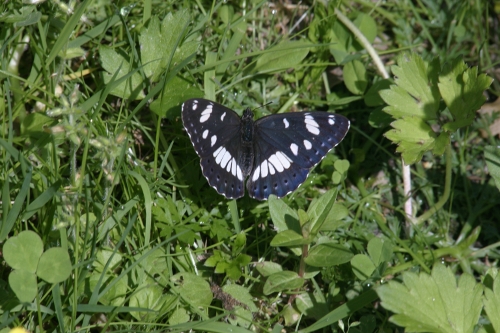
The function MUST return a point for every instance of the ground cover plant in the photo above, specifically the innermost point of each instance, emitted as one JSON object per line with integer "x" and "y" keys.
{"x": 107, "y": 223}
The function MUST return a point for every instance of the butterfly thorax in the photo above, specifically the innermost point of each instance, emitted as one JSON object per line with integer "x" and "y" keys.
{"x": 246, "y": 153}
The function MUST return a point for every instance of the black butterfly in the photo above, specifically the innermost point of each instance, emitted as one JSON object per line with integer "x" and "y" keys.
{"x": 276, "y": 152}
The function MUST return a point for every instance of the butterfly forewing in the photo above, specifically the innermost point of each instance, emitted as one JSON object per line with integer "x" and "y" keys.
{"x": 287, "y": 146}
{"x": 214, "y": 131}
{"x": 276, "y": 152}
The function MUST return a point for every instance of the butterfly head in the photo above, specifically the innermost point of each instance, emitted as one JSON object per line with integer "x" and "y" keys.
{"x": 247, "y": 115}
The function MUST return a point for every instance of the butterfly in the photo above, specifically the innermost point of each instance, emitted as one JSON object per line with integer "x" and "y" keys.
{"x": 273, "y": 154}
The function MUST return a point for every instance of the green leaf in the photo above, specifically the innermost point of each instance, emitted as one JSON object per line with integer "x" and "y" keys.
{"x": 178, "y": 316}
{"x": 54, "y": 265}
{"x": 335, "y": 217}
{"x": 23, "y": 251}
{"x": 23, "y": 284}
{"x": 213, "y": 260}
{"x": 414, "y": 137}
{"x": 281, "y": 281}
{"x": 117, "y": 67}
{"x": 287, "y": 54}
{"x": 362, "y": 266}
{"x": 341, "y": 165}
{"x": 462, "y": 91}
{"x": 379, "y": 119}
{"x": 37, "y": 122}
{"x": 372, "y": 96}
{"x": 102, "y": 259}
{"x": 340, "y": 173}
{"x": 319, "y": 210}
{"x": 415, "y": 92}
{"x": 155, "y": 264}
{"x": 355, "y": 77}
{"x": 239, "y": 243}
{"x": 289, "y": 238}
{"x": 341, "y": 39}
{"x": 193, "y": 289}
{"x": 150, "y": 297}
{"x": 492, "y": 157}
{"x": 311, "y": 304}
{"x": 161, "y": 43}
{"x": 492, "y": 303}
{"x": 116, "y": 294}
{"x": 366, "y": 25}
{"x": 441, "y": 142}
{"x": 242, "y": 317}
{"x": 242, "y": 295}
{"x": 380, "y": 250}
{"x": 28, "y": 19}
{"x": 290, "y": 314}
{"x": 343, "y": 311}
{"x": 433, "y": 303}
{"x": 175, "y": 92}
{"x": 328, "y": 254}
{"x": 267, "y": 268}
{"x": 283, "y": 217}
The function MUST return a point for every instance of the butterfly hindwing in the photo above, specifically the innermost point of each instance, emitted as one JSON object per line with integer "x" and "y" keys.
{"x": 287, "y": 146}
{"x": 222, "y": 170}
{"x": 214, "y": 131}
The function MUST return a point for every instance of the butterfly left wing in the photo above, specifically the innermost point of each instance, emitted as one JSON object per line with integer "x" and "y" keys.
{"x": 214, "y": 131}
{"x": 287, "y": 146}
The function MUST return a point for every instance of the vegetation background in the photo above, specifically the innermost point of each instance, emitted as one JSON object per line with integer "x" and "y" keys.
{"x": 107, "y": 223}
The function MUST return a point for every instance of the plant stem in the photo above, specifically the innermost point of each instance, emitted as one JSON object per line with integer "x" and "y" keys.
{"x": 381, "y": 69}
{"x": 362, "y": 39}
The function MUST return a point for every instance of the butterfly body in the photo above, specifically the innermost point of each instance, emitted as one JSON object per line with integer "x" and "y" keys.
{"x": 273, "y": 155}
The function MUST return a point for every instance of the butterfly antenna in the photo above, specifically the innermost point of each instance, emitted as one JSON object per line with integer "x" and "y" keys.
{"x": 262, "y": 106}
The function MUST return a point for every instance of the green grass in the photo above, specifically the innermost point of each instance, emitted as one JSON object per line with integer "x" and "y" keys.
{"x": 108, "y": 224}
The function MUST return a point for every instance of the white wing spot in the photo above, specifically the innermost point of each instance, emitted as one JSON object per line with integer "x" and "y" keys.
{"x": 285, "y": 160}
{"x": 272, "y": 171}
{"x": 331, "y": 120}
{"x": 218, "y": 154}
{"x": 256, "y": 173}
{"x": 311, "y": 125}
{"x": 294, "y": 148}
{"x": 206, "y": 114}
{"x": 205, "y": 134}
{"x": 213, "y": 140}
{"x": 286, "y": 123}
{"x": 225, "y": 159}
{"x": 195, "y": 105}
{"x": 263, "y": 169}
{"x": 222, "y": 117}
{"x": 276, "y": 162}
{"x": 307, "y": 144}
{"x": 228, "y": 162}
{"x": 229, "y": 165}
{"x": 239, "y": 173}
{"x": 218, "y": 151}
{"x": 233, "y": 167}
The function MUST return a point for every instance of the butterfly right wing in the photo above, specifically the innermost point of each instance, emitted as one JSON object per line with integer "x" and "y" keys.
{"x": 288, "y": 146}
{"x": 214, "y": 131}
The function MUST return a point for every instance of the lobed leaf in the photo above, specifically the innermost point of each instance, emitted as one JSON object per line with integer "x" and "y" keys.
{"x": 413, "y": 136}
{"x": 125, "y": 83}
{"x": 492, "y": 303}
{"x": 462, "y": 91}
{"x": 433, "y": 303}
